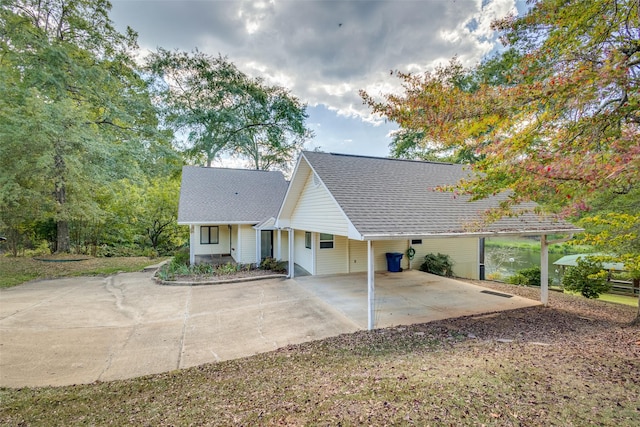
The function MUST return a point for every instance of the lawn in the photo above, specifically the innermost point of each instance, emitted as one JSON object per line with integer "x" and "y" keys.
{"x": 17, "y": 270}
{"x": 575, "y": 363}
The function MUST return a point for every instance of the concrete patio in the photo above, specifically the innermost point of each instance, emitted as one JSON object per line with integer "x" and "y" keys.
{"x": 408, "y": 297}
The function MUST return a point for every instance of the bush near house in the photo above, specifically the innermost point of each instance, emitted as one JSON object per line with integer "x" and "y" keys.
{"x": 439, "y": 264}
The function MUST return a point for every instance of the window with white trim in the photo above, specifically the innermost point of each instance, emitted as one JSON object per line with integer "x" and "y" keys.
{"x": 326, "y": 241}
{"x": 209, "y": 235}
{"x": 307, "y": 239}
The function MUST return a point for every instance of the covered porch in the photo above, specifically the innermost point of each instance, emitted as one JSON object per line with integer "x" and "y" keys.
{"x": 374, "y": 250}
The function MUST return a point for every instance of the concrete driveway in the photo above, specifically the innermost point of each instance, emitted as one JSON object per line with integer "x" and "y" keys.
{"x": 80, "y": 330}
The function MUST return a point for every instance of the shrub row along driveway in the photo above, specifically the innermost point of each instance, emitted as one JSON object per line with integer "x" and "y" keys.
{"x": 80, "y": 330}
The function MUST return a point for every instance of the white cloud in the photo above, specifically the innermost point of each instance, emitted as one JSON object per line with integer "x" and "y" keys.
{"x": 323, "y": 51}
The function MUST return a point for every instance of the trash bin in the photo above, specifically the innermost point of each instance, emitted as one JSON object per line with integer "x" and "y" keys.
{"x": 393, "y": 262}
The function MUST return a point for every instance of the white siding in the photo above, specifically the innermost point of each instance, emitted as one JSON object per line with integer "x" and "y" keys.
{"x": 464, "y": 253}
{"x": 302, "y": 256}
{"x": 332, "y": 260}
{"x": 247, "y": 238}
{"x": 380, "y": 249}
{"x": 234, "y": 242}
{"x": 317, "y": 211}
{"x": 357, "y": 256}
{"x": 223, "y": 241}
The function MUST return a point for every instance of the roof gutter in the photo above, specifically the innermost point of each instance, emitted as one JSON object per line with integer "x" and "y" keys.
{"x": 396, "y": 236}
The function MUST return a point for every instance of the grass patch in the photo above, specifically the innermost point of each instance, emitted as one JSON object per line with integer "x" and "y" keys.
{"x": 22, "y": 269}
{"x": 613, "y": 298}
{"x": 534, "y": 245}
{"x": 619, "y": 299}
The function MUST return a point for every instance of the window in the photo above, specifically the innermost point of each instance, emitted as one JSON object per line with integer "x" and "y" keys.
{"x": 416, "y": 241}
{"x": 326, "y": 241}
{"x": 307, "y": 239}
{"x": 209, "y": 235}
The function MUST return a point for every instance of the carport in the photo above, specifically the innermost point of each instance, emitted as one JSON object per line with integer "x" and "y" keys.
{"x": 407, "y": 298}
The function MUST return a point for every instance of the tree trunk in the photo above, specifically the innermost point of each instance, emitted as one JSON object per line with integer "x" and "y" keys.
{"x": 63, "y": 239}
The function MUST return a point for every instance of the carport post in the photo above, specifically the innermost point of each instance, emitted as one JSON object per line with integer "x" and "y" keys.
{"x": 192, "y": 244}
{"x": 279, "y": 254}
{"x": 544, "y": 270}
{"x": 370, "y": 283}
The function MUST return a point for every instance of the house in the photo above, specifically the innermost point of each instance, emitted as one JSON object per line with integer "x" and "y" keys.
{"x": 231, "y": 212}
{"x": 345, "y": 212}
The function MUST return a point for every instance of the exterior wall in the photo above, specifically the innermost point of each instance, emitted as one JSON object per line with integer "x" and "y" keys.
{"x": 234, "y": 242}
{"x": 247, "y": 244}
{"x": 332, "y": 260}
{"x": 380, "y": 249}
{"x": 357, "y": 256}
{"x": 284, "y": 244}
{"x": 223, "y": 241}
{"x": 317, "y": 211}
{"x": 464, "y": 252}
{"x": 301, "y": 255}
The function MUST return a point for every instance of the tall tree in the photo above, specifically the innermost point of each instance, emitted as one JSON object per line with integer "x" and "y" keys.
{"x": 562, "y": 119}
{"x": 554, "y": 118}
{"x": 221, "y": 110}
{"x": 74, "y": 113}
{"x": 272, "y": 127}
{"x": 199, "y": 96}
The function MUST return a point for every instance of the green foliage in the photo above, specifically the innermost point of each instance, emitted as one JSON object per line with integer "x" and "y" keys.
{"x": 75, "y": 116}
{"x": 274, "y": 265}
{"x": 222, "y": 110}
{"x": 526, "y": 277}
{"x": 544, "y": 123}
{"x": 587, "y": 277}
{"x": 181, "y": 257}
{"x": 180, "y": 266}
{"x": 439, "y": 264}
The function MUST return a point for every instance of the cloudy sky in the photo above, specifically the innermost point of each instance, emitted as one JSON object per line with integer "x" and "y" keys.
{"x": 324, "y": 51}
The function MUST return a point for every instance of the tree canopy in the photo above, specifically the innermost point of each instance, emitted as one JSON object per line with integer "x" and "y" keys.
{"x": 554, "y": 117}
{"x": 74, "y": 113}
{"x": 221, "y": 110}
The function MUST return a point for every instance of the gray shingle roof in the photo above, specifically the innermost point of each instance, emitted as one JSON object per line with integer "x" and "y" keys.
{"x": 216, "y": 195}
{"x": 397, "y": 197}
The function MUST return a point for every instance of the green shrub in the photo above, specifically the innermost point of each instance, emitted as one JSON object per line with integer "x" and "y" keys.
{"x": 273, "y": 265}
{"x": 588, "y": 278}
{"x": 517, "y": 279}
{"x": 225, "y": 269}
{"x": 180, "y": 257}
{"x": 439, "y": 264}
{"x": 526, "y": 277}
